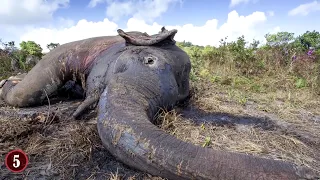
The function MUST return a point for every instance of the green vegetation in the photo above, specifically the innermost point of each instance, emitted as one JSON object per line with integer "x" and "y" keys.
{"x": 20, "y": 59}
{"x": 283, "y": 59}
{"x": 14, "y": 59}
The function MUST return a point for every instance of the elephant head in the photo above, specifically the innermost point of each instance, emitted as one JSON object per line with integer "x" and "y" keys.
{"x": 151, "y": 73}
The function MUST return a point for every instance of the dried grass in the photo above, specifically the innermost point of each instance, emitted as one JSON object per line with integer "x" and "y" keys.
{"x": 62, "y": 148}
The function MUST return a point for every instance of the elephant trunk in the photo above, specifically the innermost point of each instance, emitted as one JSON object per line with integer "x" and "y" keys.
{"x": 126, "y": 130}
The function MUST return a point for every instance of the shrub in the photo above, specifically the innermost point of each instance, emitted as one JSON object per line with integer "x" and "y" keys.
{"x": 283, "y": 54}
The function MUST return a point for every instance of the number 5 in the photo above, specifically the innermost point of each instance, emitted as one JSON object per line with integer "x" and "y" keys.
{"x": 16, "y": 162}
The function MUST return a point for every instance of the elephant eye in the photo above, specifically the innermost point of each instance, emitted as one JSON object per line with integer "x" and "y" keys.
{"x": 149, "y": 60}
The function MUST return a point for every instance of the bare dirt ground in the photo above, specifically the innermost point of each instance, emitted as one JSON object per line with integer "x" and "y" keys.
{"x": 266, "y": 125}
{"x": 58, "y": 147}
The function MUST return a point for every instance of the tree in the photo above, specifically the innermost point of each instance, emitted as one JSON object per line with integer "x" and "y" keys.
{"x": 279, "y": 39}
{"x": 254, "y": 45}
{"x": 52, "y": 45}
{"x": 186, "y": 44}
{"x": 9, "y": 56}
{"x": 30, "y": 53}
{"x": 31, "y": 48}
{"x": 9, "y": 47}
{"x": 309, "y": 39}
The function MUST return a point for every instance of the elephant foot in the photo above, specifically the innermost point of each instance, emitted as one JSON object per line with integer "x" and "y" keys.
{"x": 12, "y": 80}
{"x": 89, "y": 103}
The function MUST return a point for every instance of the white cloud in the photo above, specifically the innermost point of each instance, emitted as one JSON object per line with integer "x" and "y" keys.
{"x": 63, "y": 22}
{"x": 271, "y": 13}
{"x": 94, "y": 3}
{"x": 275, "y": 30}
{"x": 208, "y": 34}
{"x": 237, "y": 2}
{"x": 146, "y": 10}
{"x": 305, "y": 9}
{"x": 211, "y": 34}
{"x": 21, "y": 12}
{"x": 116, "y": 10}
{"x": 82, "y": 30}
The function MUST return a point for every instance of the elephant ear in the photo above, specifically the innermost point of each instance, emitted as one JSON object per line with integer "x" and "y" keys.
{"x": 163, "y": 37}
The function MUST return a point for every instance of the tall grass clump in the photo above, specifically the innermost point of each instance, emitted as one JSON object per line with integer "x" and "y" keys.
{"x": 284, "y": 60}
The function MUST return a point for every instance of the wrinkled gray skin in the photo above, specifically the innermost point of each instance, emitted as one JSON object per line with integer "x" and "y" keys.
{"x": 131, "y": 82}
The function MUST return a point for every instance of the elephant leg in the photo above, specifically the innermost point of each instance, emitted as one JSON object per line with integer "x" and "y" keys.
{"x": 95, "y": 85}
{"x": 71, "y": 89}
{"x": 17, "y": 77}
{"x": 89, "y": 103}
{"x": 13, "y": 79}
{"x": 34, "y": 87}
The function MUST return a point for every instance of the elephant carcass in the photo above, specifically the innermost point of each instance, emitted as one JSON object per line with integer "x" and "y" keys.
{"x": 131, "y": 77}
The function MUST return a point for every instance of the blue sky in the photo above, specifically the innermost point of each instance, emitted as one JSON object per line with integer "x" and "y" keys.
{"x": 209, "y": 20}
{"x": 198, "y": 12}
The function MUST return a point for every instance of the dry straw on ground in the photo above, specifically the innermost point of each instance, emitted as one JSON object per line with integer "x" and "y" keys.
{"x": 271, "y": 125}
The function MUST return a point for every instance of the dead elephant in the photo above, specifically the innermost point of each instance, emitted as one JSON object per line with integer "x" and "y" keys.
{"x": 131, "y": 76}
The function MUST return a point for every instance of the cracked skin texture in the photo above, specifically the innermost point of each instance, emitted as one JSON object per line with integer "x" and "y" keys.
{"x": 131, "y": 77}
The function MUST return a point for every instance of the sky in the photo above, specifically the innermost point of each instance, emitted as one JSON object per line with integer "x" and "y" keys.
{"x": 202, "y": 22}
